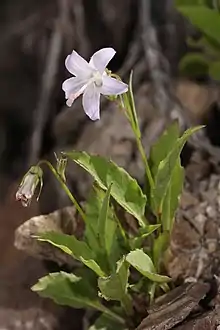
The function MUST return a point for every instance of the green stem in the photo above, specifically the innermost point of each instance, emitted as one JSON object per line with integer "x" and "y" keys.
{"x": 144, "y": 158}
{"x": 65, "y": 188}
{"x": 127, "y": 103}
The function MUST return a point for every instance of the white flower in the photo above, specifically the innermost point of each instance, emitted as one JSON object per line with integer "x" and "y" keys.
{"x": 91, "y": 80}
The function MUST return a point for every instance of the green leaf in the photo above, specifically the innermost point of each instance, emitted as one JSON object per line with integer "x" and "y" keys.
{"x": 104, "y": 322}
{"x": 214, "y": 70}
{"x": 112, "y": 251}
{"x": 165, "y": 171}
{"x": 160, "y": 246}
{"x": 143, "y": 263}
{"x": 163, "y": 146}
{"x": 171, "y": 199}
{"x": 69, "y": 290}
{"x": 125, "y": 190}
{"x": 194, "y": 65}
{"x": 77, "y": 249}
{"x": 114, "y": 287}
{"x": 136, "y": 242}
{"x": 205, "y": 19}
{"x": 103, "y": 220}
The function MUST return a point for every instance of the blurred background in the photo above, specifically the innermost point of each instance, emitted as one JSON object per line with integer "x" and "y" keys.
{"x": 150, "y": 37}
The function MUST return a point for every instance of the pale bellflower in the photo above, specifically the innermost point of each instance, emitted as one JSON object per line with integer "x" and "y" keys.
{"x": 29, "y": 184}
{"x": 91, "y": 80}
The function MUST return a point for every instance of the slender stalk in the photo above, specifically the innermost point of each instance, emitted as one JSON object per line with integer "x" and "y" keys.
{"x": 65, "y": 188}
{"x": 144, "y": 158}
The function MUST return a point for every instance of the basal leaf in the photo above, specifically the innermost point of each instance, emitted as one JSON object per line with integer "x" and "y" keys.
{"x": 114, "y": 287}
{"x": 165, "y": 171}
{"x": 103, "y": 220}
{"x": 112, "y": 251}
{"x": 69, "y": 290}
{"x": 205, "y": 19}
{"x": 171, "y": 199}
{"x": 143, "y": 263}
{"x": 125, "y": 190}
{"x": 77, "y": 249}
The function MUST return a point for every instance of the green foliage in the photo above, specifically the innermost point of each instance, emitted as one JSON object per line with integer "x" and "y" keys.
{"x": 143, "y": 263}
{"x": 77, "y": 249}
{"x": 69, "y": 290}
{"x": 125, "y": 190}
{"x": 166, "y": 173}
{"x": 114, "y": 287}
{"x": 204, "y": 60}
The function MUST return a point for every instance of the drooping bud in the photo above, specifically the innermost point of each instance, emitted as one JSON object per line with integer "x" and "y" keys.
{"x": 28, "y": 185}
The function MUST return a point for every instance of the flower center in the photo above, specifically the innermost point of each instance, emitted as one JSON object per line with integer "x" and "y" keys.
{"x": 97, "y": 78}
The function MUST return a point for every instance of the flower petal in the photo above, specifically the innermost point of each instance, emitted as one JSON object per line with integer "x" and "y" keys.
{"x": 73, "y": 85}
{"x": 91, "y": 102}
{"x": 101, "y": 58}
{"x": 76, "y": 65}
{"x": 112, "y": 86}
{"x": 73, "y": 88}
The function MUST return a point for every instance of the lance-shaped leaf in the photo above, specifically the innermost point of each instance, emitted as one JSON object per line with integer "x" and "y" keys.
{"x": 69, "y": 290}
{"x": 165, "y": 171}
{"x": 171, "y": 199}
{"x": 77, "y": 249}
{"x": 100, "y": 229}
{"x": 125, "y": 190}
{"x": 163, "y": 146}
{"x": 103, "y": 220}
{"x": 143, "y": 263}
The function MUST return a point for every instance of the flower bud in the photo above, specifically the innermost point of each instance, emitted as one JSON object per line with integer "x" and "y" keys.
{"x": 29, "y": 184}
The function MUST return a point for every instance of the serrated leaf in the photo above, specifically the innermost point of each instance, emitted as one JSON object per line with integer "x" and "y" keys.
{"x": 69, "y": 290}
{"x": 205, "y": 19}
{"x": 77, "y": 249}
{"x": 165, "y": 171}
{"x": 125, "y": 190}
{"x": 163, "y": 146}
{"x": 114, "y": 287}
{"x": 104, "y": 322}
{"x": 171, "y": 199}
{"x": 143, "y": 263}
{"x": 214, "y": 70}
